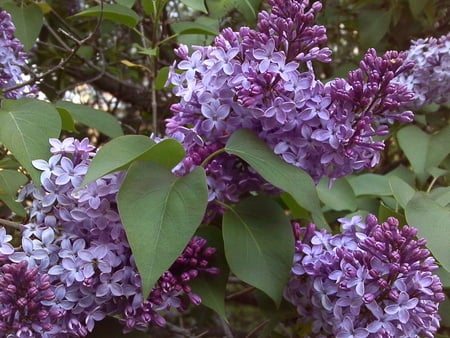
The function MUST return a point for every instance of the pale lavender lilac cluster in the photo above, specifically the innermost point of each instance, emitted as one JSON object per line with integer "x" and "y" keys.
{"x": 74, "y": 265}
{"x": 264, "y": 80}
{"x": 370, "y": 280}
{"x": 430, "y": 77}
{"x": 12, "y": 59}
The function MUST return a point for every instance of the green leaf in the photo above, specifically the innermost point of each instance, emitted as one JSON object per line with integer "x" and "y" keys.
{"x": 401, "y": 190}
{"x": 198, "y": 5}
{"x": 259, "y": 244}
{"x": 212, "y": 289}
{"x": 370, "y": 184}
{"x": 167, "y": 153}
{"x": 113, "y": 12}
{"x": 248, "y": 8}
{"x": 189, "y": 27}
{"x": 160, "y": 213}
{"x": 424, "y": 151}
{"x": 117, "y": 155}
{"x": 25, "y": 127}
{"x": 441, "y": 196}
{"x": 126, "y": 3}
{"x": 339, "y": 196}
{"x": 433, "y": 222}
{"x": 417, "y": 7}
{"x": 10, "y": 182}
{"x": 384, "y": 212}
{"x": 66, "y": 119}
{"x": 219, "y": 8}
{"x": 373, "y": 26}
{"x": 94, "y": 118}
{"x": 28, "y": 21}
{"x": 161, "y": 78}
{"x": 246, "y": 145}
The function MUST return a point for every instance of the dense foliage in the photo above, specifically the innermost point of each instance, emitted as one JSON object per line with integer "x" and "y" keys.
{"x": 224, "y": 168}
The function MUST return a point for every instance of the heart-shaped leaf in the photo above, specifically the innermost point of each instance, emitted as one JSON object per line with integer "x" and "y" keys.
{"x": 259, "y": 244}
{"x": 160, "y": 213}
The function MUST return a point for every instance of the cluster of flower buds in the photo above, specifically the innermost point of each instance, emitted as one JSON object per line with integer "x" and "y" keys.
{"x": 370, "y": 280}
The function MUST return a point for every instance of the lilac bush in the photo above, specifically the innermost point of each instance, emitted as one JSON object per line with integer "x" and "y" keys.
{"x": 430, "y": 77}
{"x": 370, "y": 280}
{"x": 12, "y": 59}
{"x": 74, "y": 266}
{"x": 264, "y": 80}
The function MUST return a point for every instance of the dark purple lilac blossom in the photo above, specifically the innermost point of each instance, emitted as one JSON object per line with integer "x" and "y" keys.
{"x": 370, "y": 280}
{"x": 22, "y": 292}
{"x": 12, "y": 60}
{"x": 430, "y": 77}
{"x": 264, "y": 80}
{"x": 75, "y": 251}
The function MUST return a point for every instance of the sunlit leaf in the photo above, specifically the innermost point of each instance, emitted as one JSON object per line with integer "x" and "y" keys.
{"x": 25, "y": 128}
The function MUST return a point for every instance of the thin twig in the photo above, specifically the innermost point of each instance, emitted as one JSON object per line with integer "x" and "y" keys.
{"x": 11, "y": 224}
{"x": 60, "y": 65}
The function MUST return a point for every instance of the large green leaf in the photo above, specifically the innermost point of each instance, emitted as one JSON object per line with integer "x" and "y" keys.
{"x": 401, "y": 190}
{"x": 373, "y": 26}
{"x": 259, "y": 244}
{"x": 212, "y": 289}
{"x": 94, "y": 118}
{"x": 189, "y": 27}
{"x": 119, "y": 153}
{"x": 113, "y": 12}
{"x": 25, "y": 127}
{"x": 339, "y": 196}
{"x": 160, "y": 213}
{"x": 433, "y": 222}
{"x": 10, "y": 182}
{"x": 28, "y": 21}
{"x": 246, "y": 145}
{"x": 424, "y": 151}
{"x": 370, "y": 184}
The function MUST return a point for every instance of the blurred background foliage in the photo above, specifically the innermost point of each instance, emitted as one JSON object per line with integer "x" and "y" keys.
{"x": 120, "y": 64}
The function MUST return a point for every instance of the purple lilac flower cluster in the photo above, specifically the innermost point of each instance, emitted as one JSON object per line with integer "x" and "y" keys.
{"x": 430, "y": 77}
{"x": 264, "y": 80}
{"x": 12, "y": 59}
{"x": 370, "y": 280}
{"x": 74, "y": 265}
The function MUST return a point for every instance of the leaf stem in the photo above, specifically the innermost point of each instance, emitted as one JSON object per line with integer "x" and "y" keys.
{"x": 211, "y": 156}
{"x": 11, "y": 224}
{"x": 431, "y": 184}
